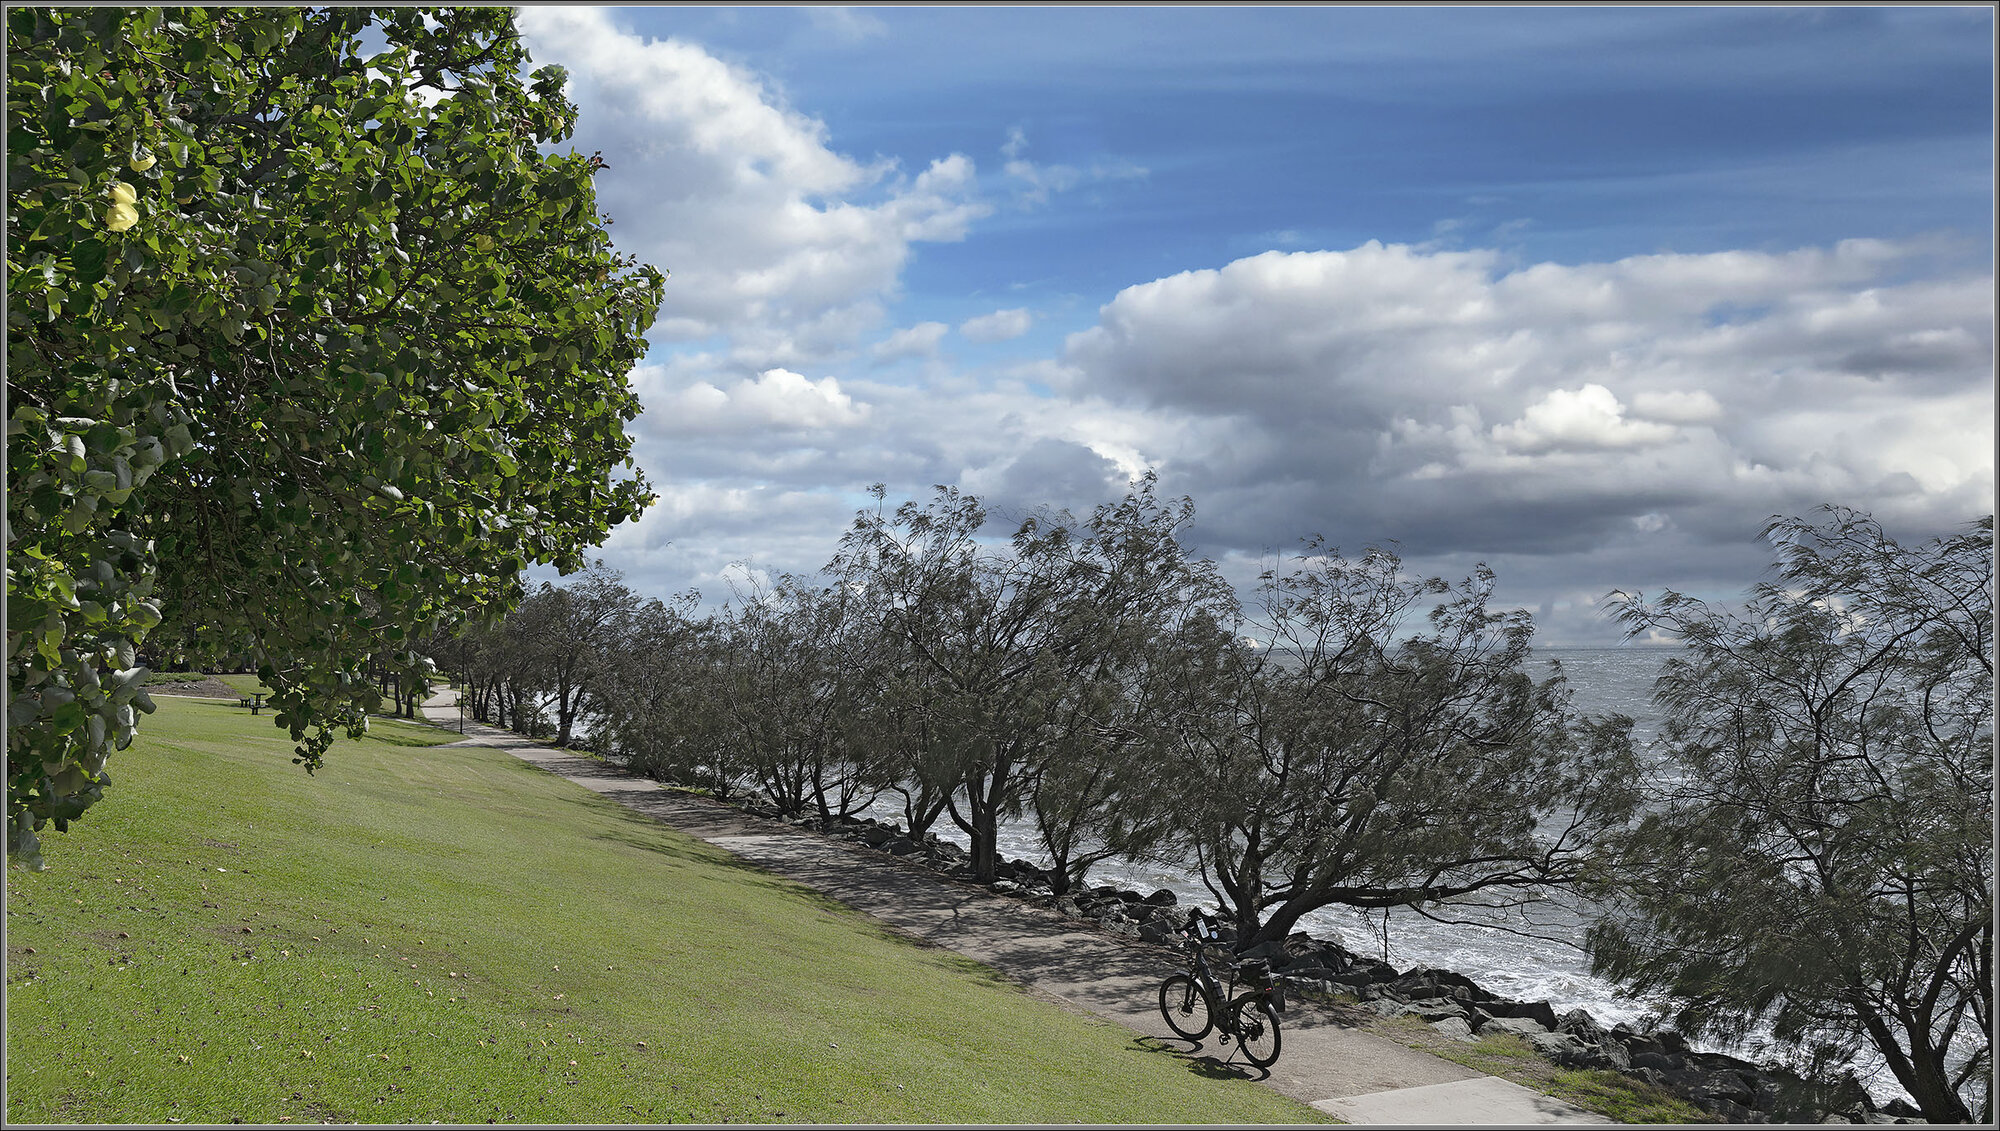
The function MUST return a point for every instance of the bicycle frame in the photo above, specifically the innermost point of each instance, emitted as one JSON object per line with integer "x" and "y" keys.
{"x": 1223, "y": 1006}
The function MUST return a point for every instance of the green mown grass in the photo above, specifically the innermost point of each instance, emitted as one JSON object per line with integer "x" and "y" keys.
{"x": 433, "y": 933}
{"x": 245, "y": 683}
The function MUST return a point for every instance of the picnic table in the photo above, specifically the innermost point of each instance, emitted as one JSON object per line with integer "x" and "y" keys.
{"x": 255, "y": 702}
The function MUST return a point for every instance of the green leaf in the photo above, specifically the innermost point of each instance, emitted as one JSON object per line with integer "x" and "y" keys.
{"x": 89, "y": 258}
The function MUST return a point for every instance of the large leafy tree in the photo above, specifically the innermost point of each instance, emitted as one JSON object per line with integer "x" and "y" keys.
{"x": 1822, "y": 858}
{"x": 310, "y": 345}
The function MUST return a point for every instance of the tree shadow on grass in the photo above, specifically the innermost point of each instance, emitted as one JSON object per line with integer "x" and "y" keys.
{"x": 650, "y": 834}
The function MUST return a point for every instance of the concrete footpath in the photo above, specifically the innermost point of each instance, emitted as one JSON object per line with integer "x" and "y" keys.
{"x": 1352, "y": 1075}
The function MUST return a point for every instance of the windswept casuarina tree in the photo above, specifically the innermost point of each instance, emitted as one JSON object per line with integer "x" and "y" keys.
{"x": 1007, "y": 652}
{"x": 787, "y": 686}
{"x": 565, "y": 634}
{"x": 1822, "y": 859}
{"x": 1381, "y": 745}
{"x": 658, "y": 702}
{"x": 310, "y": 346}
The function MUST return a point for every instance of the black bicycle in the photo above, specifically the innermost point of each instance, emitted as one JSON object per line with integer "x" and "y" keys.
{"x": 1192, "y": 1002}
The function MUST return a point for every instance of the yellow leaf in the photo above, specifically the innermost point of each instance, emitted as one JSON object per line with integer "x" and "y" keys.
{"x": 122, "y": 193}
{"x": 119, "y": 217}
{"x": 143, "y": 162}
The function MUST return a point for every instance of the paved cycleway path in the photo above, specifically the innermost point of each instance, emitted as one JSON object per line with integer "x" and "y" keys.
{"x": 1352, "y": 1075}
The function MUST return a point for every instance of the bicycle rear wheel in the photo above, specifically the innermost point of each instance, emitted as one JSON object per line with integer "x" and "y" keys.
{"x": 1185, "y": 1007}
{"x": 1256, "y": 1025}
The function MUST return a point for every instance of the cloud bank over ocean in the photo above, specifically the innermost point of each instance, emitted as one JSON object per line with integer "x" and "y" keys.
{"x": 1627, "y": 418}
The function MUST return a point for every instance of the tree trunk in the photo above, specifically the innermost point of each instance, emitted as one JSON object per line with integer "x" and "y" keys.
{"x": 565, "y": 709}
{"x": 1917, "y": 1068}
{"x": 1934, "y": 1094}
{"x": 922, "y": 808}
{"x": 1058, "y": 875}
{"x": 1277, "y": 928}
{"x": 981, "y": 825}
{"x": 986, "y": 839}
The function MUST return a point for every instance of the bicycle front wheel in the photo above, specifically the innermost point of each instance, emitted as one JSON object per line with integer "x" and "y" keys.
{"x": 1185, "y": 1007}
{"x": 1256, "y": 1025}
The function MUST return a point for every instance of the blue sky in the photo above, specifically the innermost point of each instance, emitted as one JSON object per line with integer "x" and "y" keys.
{"x": 1585, "y": 293}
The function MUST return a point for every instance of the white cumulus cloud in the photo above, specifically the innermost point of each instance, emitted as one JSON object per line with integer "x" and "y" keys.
{"x": 1677, "y": 406}
{"x": 776, "y": 400}
{"x": 1460, "y": 405}
{"x": 919, "y": 340}
{"x": 999, "y": 326}
{"x": 1579, "y": 419}
{"x": 773, "y": 238}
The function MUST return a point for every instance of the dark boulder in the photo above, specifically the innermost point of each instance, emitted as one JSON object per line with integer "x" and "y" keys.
{"x": 1581, "y": 1025}
{"x": 1370, "y": 970}
{"x": 1429, "y": 1009}
{"x": 1539, "y": 1011}
{"x": 1519, "y": 1026}
{"x": 1264, "y": 950}
{"x": 1559, "y": 1047}
{"x": 1612, "y": 1055}
{"x": 1661, "y": 1061}
{"x": 1452, "y": 980}
{"x": 1296, "y": 946}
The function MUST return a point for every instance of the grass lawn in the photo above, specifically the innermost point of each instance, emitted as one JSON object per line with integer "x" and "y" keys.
{"x": 427, "y": 933}
{"x": 245, "y": 683}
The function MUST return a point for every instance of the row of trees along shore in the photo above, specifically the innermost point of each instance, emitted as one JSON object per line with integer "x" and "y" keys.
{"x": 1807, "y": 845}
